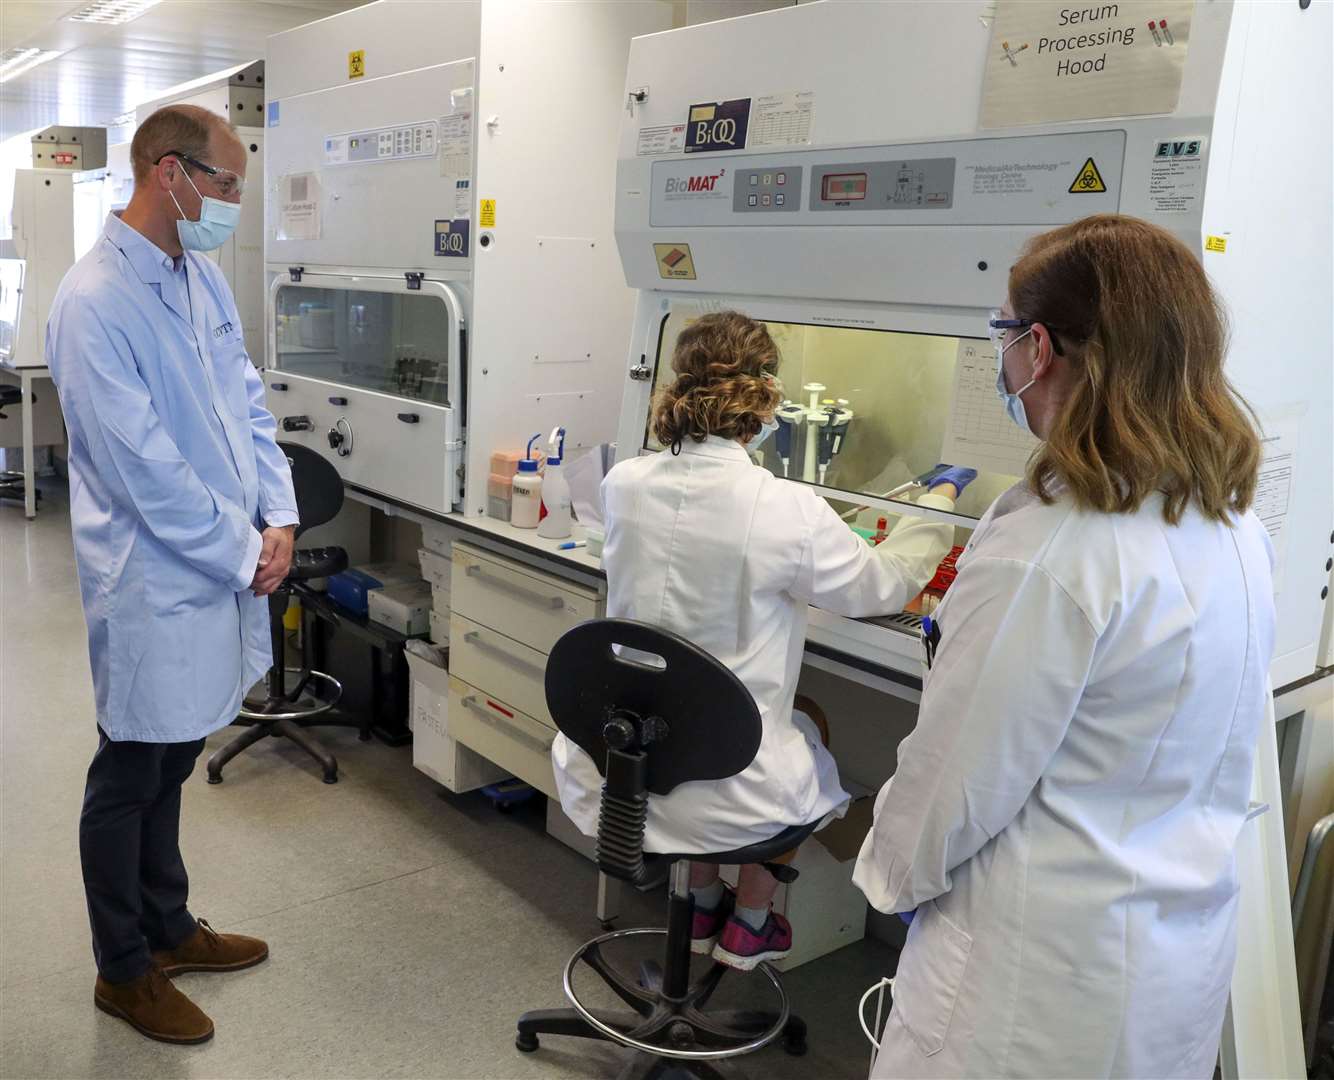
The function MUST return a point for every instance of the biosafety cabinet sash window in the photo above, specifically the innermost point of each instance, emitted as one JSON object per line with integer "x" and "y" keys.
{"x": 865, "y": 410}
{"x": 389, "y": 342}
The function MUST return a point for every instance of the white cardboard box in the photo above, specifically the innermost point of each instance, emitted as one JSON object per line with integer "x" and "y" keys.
{"x": 405, "y": 608}
{"x": 434, "y": 751}
{"x": 437, "y": 538}
{"x": 439, "y": 627}
{"x": 826, "y": 910}
{"x": 435, "y": 569}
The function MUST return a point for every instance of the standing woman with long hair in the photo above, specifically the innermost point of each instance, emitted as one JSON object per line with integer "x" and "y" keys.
{"x": 1064, "y": 818}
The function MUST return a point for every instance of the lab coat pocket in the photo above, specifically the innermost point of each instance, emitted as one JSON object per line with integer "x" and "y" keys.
{"x": 931, "y": 970}
{"x": 229, "y": 364}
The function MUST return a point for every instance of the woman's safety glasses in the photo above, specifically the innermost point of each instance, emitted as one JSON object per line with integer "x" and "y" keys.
{"x": 998, "y": 326}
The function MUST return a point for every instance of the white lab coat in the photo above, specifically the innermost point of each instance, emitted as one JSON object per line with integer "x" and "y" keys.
{"x": 1064, "y": 816}
{"x": 717, "y": 549}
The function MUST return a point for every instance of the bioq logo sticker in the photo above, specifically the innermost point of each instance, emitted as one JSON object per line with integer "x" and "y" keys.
{"x": 690, "y": 185}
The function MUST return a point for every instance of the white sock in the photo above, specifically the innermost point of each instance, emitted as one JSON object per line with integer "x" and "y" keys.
{"x": 708, "y": 897}
{"x": 754, "y": 917}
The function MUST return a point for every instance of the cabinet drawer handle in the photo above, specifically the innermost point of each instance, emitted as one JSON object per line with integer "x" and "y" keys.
{"x": 555, "y": 603}
{"x": 512, "y": 731}
{"x": 474, "y": 637}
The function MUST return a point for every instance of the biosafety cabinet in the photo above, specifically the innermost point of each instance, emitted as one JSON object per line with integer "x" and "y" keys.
{"x": 862, "y": 176}
{"x": 438, "y": 236}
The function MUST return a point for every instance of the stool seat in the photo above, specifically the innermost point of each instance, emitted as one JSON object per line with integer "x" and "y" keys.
{"x": 761, "y": 852}
{"x": 10, "y": 394}
{"x": 309, "y": 563}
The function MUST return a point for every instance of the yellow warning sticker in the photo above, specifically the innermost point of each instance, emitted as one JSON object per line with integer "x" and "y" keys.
{"x": 1215, "y": 243}
{"x": 1089, "y": 181}
{"x": 487, "y": 216}
{"x": 674, "y": 262}
{"x": 356, "y": 64}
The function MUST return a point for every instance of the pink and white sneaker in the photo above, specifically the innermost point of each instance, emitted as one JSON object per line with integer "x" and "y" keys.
{"x": 742, "y": 948}
{"x": 707, "y": 925}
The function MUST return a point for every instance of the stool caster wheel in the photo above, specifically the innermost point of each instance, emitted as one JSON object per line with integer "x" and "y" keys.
{"x": 795, "y": 1047}
{"x": 329, "y": 778}
{"x": 525, "y": 1042}
{"x": 215, "y": 779}
{"x": 608, "y": 924}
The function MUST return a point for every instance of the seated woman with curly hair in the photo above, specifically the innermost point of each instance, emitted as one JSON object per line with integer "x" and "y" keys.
{"x": 703, "y": 542}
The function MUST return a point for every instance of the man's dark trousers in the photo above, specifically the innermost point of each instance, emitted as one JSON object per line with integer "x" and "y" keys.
{"x": 129, "y": 844}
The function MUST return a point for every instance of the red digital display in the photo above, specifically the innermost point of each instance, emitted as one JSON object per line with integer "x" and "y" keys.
{"x": 843, "y": 187}
{"x": 64, "y": 158}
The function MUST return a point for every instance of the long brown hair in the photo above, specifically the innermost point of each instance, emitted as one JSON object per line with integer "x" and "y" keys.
{"x": 721, "y": 363}
{"x": 1150, "y": 408}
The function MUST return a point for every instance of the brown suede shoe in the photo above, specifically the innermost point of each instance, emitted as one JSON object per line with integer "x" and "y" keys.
{"x": 154, "y": 1007}
{"x": 210, "y": 951}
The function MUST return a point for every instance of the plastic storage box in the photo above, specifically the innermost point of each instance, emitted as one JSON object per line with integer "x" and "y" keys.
{"x": 405, "y": 608}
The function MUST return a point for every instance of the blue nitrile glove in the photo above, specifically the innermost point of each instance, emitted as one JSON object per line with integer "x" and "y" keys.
{"x": 907, "y": 916}
{"x": 953, "y": 474}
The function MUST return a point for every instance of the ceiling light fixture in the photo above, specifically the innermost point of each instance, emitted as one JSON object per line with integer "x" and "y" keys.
{"x": 112, "y": 12}
{"x": 16, "y": 61}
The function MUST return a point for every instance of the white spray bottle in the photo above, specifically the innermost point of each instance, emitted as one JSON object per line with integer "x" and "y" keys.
{"x": 556, "y": 524}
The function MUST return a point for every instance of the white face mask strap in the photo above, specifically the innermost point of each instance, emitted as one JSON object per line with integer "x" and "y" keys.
{"x": 1011, "y": 345}
{"x": 180, "y": 166}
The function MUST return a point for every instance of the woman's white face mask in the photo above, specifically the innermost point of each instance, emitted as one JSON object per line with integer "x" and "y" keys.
{"x": 1014, "y": 405}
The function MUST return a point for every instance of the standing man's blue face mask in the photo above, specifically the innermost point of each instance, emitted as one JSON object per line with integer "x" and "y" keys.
{"x": 217, "y": 221}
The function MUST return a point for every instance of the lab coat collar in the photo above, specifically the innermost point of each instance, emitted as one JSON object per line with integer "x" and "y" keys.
{"x": 150, "y": 262}
{"x": 715, "y": 447}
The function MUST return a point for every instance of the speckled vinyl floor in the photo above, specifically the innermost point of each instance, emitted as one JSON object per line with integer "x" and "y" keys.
{"x": 407, "y": 929}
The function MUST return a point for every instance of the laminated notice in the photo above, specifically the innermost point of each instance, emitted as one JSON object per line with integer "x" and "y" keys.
{"x": 1273, "y": 489}
{"x": 455, "y": 143}
{"x": 1050, "y": 61}
{"x": 299, "y": 207}
{"x": 661, "y": 139}
{"x": 782, "y": 119}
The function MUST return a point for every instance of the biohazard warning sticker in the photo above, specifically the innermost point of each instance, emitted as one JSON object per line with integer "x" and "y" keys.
{"x": 674, "y": 262}
{"x": 1088, "y": 181}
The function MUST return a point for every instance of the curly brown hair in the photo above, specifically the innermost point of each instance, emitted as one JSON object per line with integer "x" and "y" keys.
{"x": 724, "y": 385}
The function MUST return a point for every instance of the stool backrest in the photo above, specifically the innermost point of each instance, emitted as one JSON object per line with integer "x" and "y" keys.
{"x": 319, "y": 488}
{"x": 710, "y": 727}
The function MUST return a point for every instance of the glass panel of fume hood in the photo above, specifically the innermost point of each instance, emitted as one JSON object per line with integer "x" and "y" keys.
{"x": 393, "y": 342}
{"x": 904, "y": 402}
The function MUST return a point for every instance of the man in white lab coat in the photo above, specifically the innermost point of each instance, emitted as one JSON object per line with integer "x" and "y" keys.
{"x": 183, "y": 512}
{"x": 1064, "y": 818}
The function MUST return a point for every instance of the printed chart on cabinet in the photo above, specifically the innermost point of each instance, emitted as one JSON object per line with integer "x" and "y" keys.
{"x": 978, "y": 433}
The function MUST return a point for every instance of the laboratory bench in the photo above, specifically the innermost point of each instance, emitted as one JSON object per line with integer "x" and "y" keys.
{"x": 881, "y": 653}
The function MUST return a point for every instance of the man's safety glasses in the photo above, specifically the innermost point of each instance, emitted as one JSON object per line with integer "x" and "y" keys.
{"x": 227, "y": 183}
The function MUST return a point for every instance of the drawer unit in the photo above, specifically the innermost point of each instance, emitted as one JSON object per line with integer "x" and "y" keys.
{"x": 511, "y": 739}
{"x": 482, "y": 657}
{"x": 528, "y": 606}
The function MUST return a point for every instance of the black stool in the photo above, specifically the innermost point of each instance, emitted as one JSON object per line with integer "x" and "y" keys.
{"x": 284, "y": 712}
{"x": 651, "y": 727}
{"x": 11, "y": 481}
